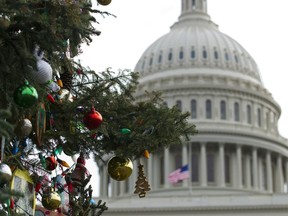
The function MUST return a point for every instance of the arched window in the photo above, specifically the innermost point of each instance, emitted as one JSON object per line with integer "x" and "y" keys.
{"x": 236, "y": 112}
{"x": 215, "y": 53}
{"x": 193, "y": 54}
{"x": 249, "y": 114}
{"x": 236, "y": 58}
{"x": 179, "y": 105}
{"x": 170, "y": 56}
{"x": 204, "y": 53}
{"x": 151, "y": 61}
{"x": 223, "y": 110}
{"x": 160, "y": 58}
{"x": 210, "y": 167}
{"x": 193, "y": 109}
{"x": 259, "y": 117}
{"x": 195, "y": 167}
{"x": 208, "y": 109}
{"x": 193, "y": 3}
{"x": 226, "y": 56}
{"x": 181, "y": 54}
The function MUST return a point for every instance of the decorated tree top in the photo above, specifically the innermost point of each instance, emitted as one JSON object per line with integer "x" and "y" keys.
{"x": 51, "y": 104}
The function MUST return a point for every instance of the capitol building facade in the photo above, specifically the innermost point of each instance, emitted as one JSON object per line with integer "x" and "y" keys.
{"x": 238, "y": 161}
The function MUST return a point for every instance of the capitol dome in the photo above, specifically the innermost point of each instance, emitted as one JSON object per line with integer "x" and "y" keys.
{"x": 238, "y": 160}
{"x": 195, "y": 41}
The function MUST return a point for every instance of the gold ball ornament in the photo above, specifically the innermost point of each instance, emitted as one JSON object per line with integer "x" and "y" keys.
{"x": 51, "y": 200}
{"x": 104, "y": 2}
{"x": 120, "y": 168}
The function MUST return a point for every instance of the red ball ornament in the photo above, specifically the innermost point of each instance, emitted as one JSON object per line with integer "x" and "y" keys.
{"x": 51, "y": 163}
{"x": 93, "y": 119}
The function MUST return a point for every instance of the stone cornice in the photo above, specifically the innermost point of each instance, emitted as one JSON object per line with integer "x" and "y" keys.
{"x": 203, "y": 203}
{"x": 273, "y": 141}
{"x": 210, "y": 85}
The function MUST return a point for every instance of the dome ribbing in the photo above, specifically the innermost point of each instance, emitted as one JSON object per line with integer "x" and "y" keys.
{"x": 195, "y": 42}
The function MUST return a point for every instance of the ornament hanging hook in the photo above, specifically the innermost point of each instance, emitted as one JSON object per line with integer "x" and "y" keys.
{"x": 2, "y": 147}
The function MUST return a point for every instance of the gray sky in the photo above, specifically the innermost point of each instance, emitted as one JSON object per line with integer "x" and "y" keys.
{"x": 258, "y": 25}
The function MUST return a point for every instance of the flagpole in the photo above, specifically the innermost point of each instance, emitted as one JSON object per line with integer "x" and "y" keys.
{"x": 190, "y": 167}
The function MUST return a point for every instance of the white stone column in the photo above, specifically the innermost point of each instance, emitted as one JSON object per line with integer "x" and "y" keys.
{"x": 114, "y": 188}
{"x": 122, "y": 187}
{"x": 247, "y": 172}
{"x": 221, "y": 165}
{"x": 150, "y": 171}
{"x": 131, "y": 182}
{"x": 105, "y": 182}
{"x": 269, "y": 172}
{"x": 280, "y": 182}
{"x": 185, "y": 161}
{"x": 239, "y": 166}
{"x": 166, "y": 167}
{"x": 134, "y": 174}
{"x": 255, "y": 168}
{"x": 203, "y": 165}
{"x": 260, "y": 174}
{"x": 101, "y": 181}
{"x": 286, "y": 172}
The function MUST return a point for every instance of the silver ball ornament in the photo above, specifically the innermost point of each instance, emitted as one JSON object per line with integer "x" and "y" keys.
{"x": 5, "y": 174}
{"x": 23, "y": 128}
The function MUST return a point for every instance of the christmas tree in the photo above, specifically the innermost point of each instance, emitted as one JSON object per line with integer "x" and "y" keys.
{"x": 51, "y": 105}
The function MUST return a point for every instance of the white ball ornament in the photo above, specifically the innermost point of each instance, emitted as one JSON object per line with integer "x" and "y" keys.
{"x": 44, "y": 70}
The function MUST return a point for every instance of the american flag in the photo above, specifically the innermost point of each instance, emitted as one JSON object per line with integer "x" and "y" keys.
{"x": 179, "y": 174}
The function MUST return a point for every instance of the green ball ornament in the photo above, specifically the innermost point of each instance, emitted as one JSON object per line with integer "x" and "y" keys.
{"x": 26, "y": 95}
